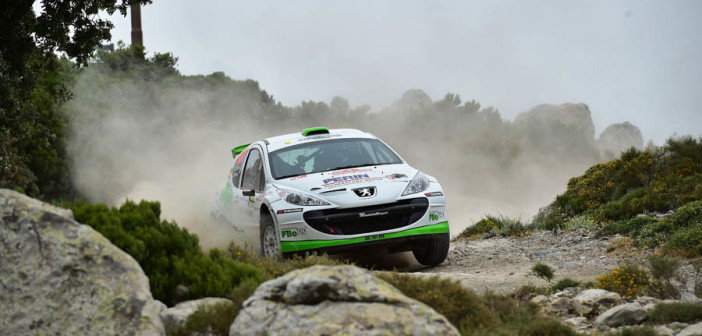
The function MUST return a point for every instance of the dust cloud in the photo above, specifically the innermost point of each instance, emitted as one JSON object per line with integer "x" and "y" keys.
{"x": 170, "y": 140}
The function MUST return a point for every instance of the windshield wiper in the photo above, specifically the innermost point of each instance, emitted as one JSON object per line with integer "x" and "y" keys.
{"x": 356, "y": 166}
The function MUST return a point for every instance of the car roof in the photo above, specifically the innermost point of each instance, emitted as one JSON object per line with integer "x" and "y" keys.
{"x": 278, "y": 142}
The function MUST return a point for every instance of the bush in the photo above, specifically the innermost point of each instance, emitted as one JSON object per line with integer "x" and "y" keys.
{"x": 633, "y": 331}
{"x": 628, "y": 281}
{"x": 624, "y": 227}
{"x": 685, "y": 312}
{"x": 169, "y": 255}
{"x": 542, "y": 271}
{"x": 565, "y": 283}
{"x": 492, "y": 226}
{"x": 663, "y": 271}
{"x": 272, "y": 267}
{"x": 472, "y": 314}
{"x": 526, "y": 292}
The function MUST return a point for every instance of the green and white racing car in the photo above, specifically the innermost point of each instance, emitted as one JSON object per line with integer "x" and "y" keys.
{"x": 331, "y": 190}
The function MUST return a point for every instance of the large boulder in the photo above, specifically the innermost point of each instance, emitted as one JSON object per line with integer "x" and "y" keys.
{"x": 59, "y": 277}
{"x": 693, "y": 330}
{"x": 326, "y": 300}
{"x": 619, "y": 137}
{"x": 575, "y": 115}
{"x": 622, "y": 315}
{"x": 591, "y": 302}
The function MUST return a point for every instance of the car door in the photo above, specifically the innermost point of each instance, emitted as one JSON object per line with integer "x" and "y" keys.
{"x": 252, "y": 178}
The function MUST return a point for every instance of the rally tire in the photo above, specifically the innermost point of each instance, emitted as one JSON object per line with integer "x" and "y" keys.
{"x": 433, "y": 251}
{"x": 270, "y": 245}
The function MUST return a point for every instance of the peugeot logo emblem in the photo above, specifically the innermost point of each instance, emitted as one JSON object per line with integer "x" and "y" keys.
{"x": 365, "y": 192}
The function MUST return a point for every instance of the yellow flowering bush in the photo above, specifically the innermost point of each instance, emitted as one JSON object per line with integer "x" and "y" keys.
{"x": 629, "y": 281}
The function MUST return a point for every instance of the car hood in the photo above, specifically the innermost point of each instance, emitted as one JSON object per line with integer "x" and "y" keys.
{"x": 337, "y": 187}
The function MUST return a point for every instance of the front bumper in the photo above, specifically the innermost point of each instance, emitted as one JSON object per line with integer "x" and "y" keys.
{"x": 422, "y": 232}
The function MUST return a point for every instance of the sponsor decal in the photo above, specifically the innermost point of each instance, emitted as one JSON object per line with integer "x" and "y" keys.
{"x": 293, "y": 232}
{"x": 372, "y": 214}
{"x": 366, "y": 192}
{"x": 436, "y": 215}
{"x": 295, "y": 178}
{"x": 318, "y": 137}
{"x": 395, "y": 176}
{"x": 286, "y": 211}
{"x": 352, "y": 171}
{"x": 375, "y": 237}
{"x": 349, "y": 179}
{"x": 435, "y": 193}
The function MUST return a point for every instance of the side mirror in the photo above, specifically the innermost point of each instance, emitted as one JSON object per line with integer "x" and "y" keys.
{"x": 248, "y": 192}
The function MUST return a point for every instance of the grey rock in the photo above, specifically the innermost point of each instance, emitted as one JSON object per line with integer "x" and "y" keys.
{"x": 645, "y": 300}
{"x": 562, "y": 306}
{"x": 619, "y": 137}
{"x": 177, "y": 316}
{"x": 567, "y": 292}
{"x": 591, "y": 302}
{"x": 326, "y": 300}
{"x": 578, "y": 322}
{"x": 539, "y": 299}
{"x": 622, "y": 315}
{"x": 664, "y": 331}
{"x": 160, "y": 305}
{"x": 693, "y": 330}
{"x": 574, "y": 115}
{"x": 58, "y": 276}
{"x": 689, "y": 297}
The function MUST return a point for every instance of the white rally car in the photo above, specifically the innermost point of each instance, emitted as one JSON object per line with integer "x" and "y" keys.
{"x": 329, "y": 190}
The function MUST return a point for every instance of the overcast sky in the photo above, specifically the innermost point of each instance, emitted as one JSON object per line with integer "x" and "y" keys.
{"x": 639, "y": 61}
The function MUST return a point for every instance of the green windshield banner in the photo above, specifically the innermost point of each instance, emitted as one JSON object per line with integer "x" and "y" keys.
{"x": 292, "y": 246}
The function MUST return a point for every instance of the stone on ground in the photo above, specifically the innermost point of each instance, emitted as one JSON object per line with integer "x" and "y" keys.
{"x": 335, "y": 300}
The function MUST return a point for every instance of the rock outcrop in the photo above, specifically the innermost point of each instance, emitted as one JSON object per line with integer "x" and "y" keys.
{"x": 622, "y": 315}
{"x": 59, "y": 277}
{"x": 177, "y": 316}
{"x": 575, "y": 115}
{"x": 619, "y": 137}
{"x": 325, "y": 300}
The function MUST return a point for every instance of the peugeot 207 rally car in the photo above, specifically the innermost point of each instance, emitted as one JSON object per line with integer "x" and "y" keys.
{"x": 329, "y": 190}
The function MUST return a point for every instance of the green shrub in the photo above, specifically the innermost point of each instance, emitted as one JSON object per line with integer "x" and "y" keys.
{"x": 565, "y": 283}
{"x": 633, "y": 331}
{"x": 685, "y": 312}
{"x": 663, "y": 271}
{"x": 272, "y": 267}
{"x": 492, "y": 226}
{"x": 169, "y": 255}
{"x": 580, "y": 222}
{"x": 626, "y": 226}
{"x": 461, "y": 306}
{"x": 542, "y": 271}
{"x": 628, "y": 280}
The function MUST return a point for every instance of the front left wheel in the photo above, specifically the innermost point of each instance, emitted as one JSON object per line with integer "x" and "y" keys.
{"x": 270, "y": 246}
{"x": 432, "y": 251}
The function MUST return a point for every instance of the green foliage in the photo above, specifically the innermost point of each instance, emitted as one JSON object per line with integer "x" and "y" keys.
{"x": 633, "y": 331}
{"x": 565, "y": 283}
{"x": 639, "y": 182}
{"x": 472, "y": 314}
{"x": 542, "y": 271}
{"x": 684, "y": 312}
{"x": 627, "y": 280}
{"x": 169, "y": 255}
{"x": 663, "y": 271}
{"x": 273, "y": 267}
{"x": 492, "y": 226}
{"x": 627, "y": 226}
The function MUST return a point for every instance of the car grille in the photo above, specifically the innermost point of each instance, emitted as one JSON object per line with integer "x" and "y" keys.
{"x": 367, "y": 219}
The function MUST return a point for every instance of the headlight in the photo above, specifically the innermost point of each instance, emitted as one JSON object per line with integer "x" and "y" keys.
{"x": 419, "y": 183}
{"x": 298, "y": 198}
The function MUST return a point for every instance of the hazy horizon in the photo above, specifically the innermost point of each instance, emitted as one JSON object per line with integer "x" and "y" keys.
{"x": 631, "y": 61}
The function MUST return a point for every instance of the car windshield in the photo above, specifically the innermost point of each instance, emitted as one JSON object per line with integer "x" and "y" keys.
{"x": 320, "y": 156}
